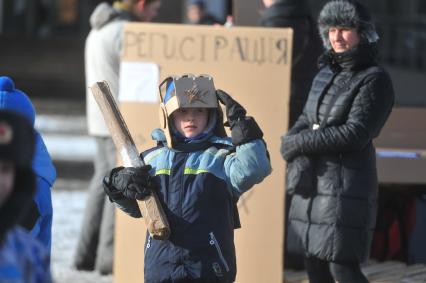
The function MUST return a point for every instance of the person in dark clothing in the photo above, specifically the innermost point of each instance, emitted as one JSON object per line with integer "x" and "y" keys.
{"x": 22, "y": 257}
{"x": 306, "y": 50}
{"x": 349, "y": 102}
{"x": 39, "y": 217}
{"x": 198, "y": 15}
{"x": 306, "y": 46}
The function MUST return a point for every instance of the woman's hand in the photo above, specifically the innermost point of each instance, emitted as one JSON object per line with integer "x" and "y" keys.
{"x": 289, "y": 149}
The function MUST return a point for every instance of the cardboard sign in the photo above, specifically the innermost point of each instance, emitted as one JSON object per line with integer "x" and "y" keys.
{"x": 139, "y": 82}
{"x": 253, "y": 66}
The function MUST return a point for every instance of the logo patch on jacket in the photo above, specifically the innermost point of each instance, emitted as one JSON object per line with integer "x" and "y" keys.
{"x": 217, "y": 269}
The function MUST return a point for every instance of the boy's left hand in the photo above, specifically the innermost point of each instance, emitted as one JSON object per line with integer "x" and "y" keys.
{"x": 243, "y": 128}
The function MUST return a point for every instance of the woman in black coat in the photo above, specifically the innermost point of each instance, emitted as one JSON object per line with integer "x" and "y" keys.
{"x": 336, "y": 221}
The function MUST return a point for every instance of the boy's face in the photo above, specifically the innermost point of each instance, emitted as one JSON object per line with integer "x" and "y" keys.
{"x": 7, "y": 180}
{"x": 190, "y": 122}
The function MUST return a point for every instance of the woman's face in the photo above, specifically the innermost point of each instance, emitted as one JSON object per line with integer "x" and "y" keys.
{"x": 7, "y": 180}
{"x": 190, "y": 121}
{"x": 343, "y": 39}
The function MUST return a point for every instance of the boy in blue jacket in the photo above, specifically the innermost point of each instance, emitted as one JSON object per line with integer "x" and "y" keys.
{"x": 22, "y": 258}
{"x": 39, "y": 217}
{"x": 199, "y": 174}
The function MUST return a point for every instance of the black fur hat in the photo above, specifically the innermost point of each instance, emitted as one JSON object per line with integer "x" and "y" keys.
{"x": 346, "y": 13}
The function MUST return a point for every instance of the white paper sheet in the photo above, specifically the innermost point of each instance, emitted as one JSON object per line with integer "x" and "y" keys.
{"x": 139, "y": 82}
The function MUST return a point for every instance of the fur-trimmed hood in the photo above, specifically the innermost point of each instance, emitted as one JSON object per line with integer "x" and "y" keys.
{"x": 104, "y": 13}
{"x": 346, "y": 13}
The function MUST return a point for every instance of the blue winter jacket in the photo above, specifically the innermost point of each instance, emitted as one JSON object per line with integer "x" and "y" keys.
{"x": 39, "y": 217}
{"x": 23, "y": 259}
{"x": 45, "y": 177}
{"x": 198, "y": 191}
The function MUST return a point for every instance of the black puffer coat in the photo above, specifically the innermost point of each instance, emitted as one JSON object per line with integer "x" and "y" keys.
{"x": 336, "y": 223}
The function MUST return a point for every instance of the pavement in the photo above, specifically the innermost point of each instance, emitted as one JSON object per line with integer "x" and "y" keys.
{"x": 68, "y": 207}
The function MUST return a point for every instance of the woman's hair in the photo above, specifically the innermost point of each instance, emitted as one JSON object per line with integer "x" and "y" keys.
{"x": 346, "y": 13}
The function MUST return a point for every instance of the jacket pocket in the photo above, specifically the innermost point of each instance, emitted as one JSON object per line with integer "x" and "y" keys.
{"x": 214, "y": 243}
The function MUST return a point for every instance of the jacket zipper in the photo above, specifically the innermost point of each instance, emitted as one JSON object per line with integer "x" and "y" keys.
{"x": 148, "y": 244}
{"x": 213, "y": 242}
{"x": 341, "y": 180}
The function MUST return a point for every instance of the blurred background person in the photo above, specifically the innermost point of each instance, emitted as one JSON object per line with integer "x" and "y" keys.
{"x": 22, "y": 257}
{"x": 102, "y": 62}
{"x": 307, "y": 48}
{"x": 38, "y": 220}
{"x": 350, "y": 100}
{"x": 197, "y": 14}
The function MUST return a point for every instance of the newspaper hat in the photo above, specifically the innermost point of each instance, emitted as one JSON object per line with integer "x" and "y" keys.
{"x": 189, "y": 91}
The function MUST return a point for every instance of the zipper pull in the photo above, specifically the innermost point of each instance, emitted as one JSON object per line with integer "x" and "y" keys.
{"x": 148, "y": 244}
{"x": 212, "y": 241}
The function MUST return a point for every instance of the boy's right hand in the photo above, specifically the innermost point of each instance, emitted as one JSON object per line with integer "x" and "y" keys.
{"x": 131, "y": 182}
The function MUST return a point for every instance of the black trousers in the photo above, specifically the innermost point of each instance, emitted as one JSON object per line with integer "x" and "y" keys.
{"x": 321, "y": 271}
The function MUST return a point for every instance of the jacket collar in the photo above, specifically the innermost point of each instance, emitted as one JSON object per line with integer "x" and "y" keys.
{"x": 104, "y": 13}
{"x": 362, "y": 56}
{"x": 202, "y": 144}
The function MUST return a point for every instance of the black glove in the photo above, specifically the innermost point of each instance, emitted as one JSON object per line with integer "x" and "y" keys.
{"x": 289, "y": 149}
{"x": 234, "y": 110}
{"x": 243, "y": 129}
{"x": 112, "y": 193}
{"x": 130, "y": 182}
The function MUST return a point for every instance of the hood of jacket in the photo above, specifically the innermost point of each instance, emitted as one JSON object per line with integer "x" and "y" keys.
{"x": 42, "y": 163}
{"x": 104, "y": 13}
{"x": 15, "y": 100}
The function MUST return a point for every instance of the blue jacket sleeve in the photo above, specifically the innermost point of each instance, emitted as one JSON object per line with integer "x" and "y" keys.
{"x": 23, "y": 259}
{"x": 248, "y": 166}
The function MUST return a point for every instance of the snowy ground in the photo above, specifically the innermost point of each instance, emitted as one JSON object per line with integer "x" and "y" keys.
{"x": 68, "y": 206}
